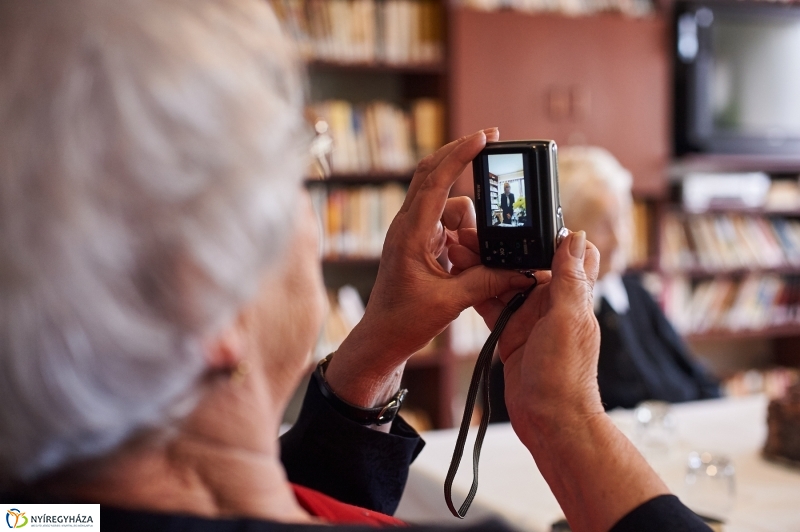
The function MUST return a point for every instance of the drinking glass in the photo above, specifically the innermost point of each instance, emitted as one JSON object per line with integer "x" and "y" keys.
{"x": 654, "y": 431}
{"x": 710, "y": 485}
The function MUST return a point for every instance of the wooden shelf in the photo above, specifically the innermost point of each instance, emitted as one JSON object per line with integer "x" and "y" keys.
{"x": 747, "y": 334}
{"x": 369, "y": 177}
{"x": 351, "y": 261}
{"x": 425, "y": 69}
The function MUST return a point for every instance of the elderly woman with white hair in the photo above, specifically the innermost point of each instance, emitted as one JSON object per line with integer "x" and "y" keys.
{"x": 642, "y": 357}
{"x": 160, "y": 296}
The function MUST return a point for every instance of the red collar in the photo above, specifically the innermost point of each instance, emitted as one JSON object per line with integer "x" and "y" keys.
{"x": 333, "y": 511}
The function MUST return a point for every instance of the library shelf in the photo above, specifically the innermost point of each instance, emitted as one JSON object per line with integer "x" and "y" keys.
{"x": 703, "y": 273}
{"x": 429, "y": 374}
{"x": 426, "y": 69}
{"x": 772, "y": 164}
{"x": 776, "y": 331}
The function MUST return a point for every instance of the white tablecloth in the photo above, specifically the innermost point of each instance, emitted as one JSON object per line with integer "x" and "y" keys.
{"x": 511, "y": 487}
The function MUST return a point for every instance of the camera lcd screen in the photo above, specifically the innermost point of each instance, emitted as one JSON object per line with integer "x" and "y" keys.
{"x": 506, "y": 202}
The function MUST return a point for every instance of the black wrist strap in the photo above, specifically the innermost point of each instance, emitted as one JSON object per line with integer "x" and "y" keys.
{"x": 480, "y": 379}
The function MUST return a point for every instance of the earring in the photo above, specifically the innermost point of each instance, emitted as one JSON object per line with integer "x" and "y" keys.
{"x": 241, "y": 371}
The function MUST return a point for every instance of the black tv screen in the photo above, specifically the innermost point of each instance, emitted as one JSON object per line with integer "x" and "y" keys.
{"x": 737, "y": 73}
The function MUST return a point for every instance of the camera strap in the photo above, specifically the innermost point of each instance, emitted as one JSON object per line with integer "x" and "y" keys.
{"x": 480, "y": 381}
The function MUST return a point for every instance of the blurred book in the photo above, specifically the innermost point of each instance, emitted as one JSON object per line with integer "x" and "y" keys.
{"x": 354, "y": 220}
{"x": 783, "y": 195}
{"x": 345, "y": 310}
{"x": 365, "y": 31}
{"x": 639, "y": 250}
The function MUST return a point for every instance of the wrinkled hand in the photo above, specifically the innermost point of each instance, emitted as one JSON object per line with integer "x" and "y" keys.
{"x": 414, "y": 297}
{"x": 551, "y": 344}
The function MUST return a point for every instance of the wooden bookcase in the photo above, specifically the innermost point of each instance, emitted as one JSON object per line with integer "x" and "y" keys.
{"x": 429, "y": 375}
{"x": 780, "y": 343}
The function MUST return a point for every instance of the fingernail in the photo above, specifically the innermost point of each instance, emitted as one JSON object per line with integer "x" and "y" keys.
{"x": 520, "y": 281}
{"x": 491, "y": 130}
{"x": 577, "y": 247}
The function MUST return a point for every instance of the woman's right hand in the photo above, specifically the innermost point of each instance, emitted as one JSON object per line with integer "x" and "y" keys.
{"x": 550, "y": 349}
{"x": 551, "y": 344}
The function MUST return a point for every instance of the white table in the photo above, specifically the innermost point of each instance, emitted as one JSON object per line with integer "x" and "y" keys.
{"x": 511, "y": 487}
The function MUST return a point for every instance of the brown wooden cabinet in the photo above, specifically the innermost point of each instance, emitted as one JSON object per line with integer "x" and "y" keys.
{"x": 601, "y": 80}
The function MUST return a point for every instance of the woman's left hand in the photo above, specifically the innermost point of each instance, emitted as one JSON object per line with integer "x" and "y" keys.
{"x": 414, "y": 297}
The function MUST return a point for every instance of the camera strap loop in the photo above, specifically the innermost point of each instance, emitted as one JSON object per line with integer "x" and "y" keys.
{"x": 480, "y": 380}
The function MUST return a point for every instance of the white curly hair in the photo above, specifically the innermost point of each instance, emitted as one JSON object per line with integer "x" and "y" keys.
{"x": 146, "y": 147}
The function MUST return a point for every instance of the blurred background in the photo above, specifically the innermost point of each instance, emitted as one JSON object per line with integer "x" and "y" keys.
{"x": 698, "y": 100}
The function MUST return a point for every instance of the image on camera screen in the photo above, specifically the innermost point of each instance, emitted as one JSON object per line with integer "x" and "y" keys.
{"x": 507, "y": 203}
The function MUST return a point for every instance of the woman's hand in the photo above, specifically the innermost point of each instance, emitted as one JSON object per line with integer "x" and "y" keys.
{"x": 551, "y": 344}
{"x": 414, "y": 297}
{"x": 550, "y": 349}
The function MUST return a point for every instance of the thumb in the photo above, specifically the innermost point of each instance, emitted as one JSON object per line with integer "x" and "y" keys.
{"x": 479, "y": 283}
{"x": 574, "y": 271}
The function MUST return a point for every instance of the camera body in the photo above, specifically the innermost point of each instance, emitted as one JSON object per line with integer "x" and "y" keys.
{"x": 517, "y": 204}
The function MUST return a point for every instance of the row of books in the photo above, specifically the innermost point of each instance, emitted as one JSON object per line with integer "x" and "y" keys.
{"x": 379, "y": 136}
{"x": 355, "y": 219}
{"x": 634, "y": 8}
{"x": 725, "y": 304}
{"x": 365, "y": 31}
{"x": 728, "y": 241}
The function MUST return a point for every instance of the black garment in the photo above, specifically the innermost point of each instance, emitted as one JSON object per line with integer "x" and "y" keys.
{"x": 329, "y": 453}
{"x": 662, "y": 514}
{"x": 641, "y": 358}
{"x": 507, "y": 204}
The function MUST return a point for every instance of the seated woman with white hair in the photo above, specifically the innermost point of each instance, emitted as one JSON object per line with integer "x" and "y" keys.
{"x": 642, "y": 357}
{"x": 161, "y": 294}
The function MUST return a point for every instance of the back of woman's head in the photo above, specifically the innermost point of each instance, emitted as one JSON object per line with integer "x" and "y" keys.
{"x": 149, "y": 151}
{"x": 583, "y": 170}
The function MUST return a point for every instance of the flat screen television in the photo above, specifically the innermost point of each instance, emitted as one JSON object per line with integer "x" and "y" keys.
{"x": 737, "y": 78}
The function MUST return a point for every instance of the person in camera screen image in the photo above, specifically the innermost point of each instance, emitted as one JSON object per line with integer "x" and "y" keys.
{"x": 507, "y": 183}
{"x": 507, "y": 203}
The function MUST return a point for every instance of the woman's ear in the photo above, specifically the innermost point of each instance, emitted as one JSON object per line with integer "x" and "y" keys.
{"x": 226, "y": 350}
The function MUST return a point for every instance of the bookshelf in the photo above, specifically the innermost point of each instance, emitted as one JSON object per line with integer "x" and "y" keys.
{"x": 378, "y": 76}
{"x": 731, "y": 275}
